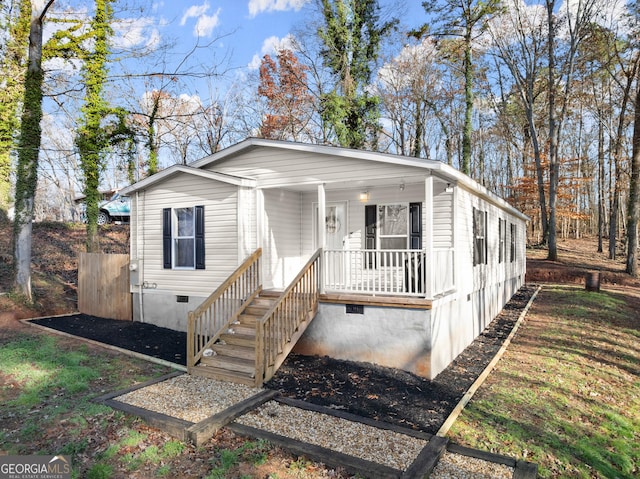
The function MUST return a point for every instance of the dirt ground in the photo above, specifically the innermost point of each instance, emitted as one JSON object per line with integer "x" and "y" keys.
{"x": 576, "y": 258}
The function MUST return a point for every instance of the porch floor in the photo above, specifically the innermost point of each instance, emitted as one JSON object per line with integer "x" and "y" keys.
{"x": 378, "y": 300}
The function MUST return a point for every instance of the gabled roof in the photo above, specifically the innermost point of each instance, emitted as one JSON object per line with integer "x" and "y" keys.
{"x": 251, "y": 143}
{"x": 190, "y": 170}
{"x": 437, "y": 168}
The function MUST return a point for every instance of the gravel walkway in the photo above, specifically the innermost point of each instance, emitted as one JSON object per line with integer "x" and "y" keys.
{"x": 190, "y": 398}
{"x": 194, "y": 399}
{"x": 455, "y": 466}
{"x": 349, "y": 437}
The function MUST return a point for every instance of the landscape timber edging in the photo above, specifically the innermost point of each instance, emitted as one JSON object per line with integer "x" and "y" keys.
{"x": 444, "y": 429}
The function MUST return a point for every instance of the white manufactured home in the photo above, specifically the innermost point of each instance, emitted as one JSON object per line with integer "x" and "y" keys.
{"x": 269, "y": 246}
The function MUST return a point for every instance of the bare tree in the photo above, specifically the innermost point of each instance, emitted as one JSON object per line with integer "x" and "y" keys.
{"x": 518, "y": 36}
{"x": 561, "y": 69}
{"x": 410, "y": 87}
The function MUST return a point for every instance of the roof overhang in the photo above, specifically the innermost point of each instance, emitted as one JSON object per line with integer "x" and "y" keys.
{"x": 188, "y": 170}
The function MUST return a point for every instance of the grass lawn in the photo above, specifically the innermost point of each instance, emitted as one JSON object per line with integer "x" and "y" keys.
{"x": 47, "y": 386}
{"x": 566, "y": 394}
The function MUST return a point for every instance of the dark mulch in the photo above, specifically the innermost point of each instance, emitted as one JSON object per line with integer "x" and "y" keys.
{"x": 145, "y": 338}
{"x": 371, "y": 391}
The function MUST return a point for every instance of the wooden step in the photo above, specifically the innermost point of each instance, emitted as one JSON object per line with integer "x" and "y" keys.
{"x": 256, "y": 310}
{"x": 262, "y": 301}
{"x": 236, "y": 365}
{"x": 235, "y": 351}
{"x": 270, "y": 293}
{"x": 223, "y": 375}
{"x": 248, "y": 319}
{"x": 239, "y": 339}
{"x": 242, "y": 329}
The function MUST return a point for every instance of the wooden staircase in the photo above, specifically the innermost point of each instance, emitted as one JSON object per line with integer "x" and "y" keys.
{"x": 242, "y": 333}
{"x": 233, "y": 356}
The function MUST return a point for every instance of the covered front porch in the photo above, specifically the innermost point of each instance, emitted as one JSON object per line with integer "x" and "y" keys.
{"x": 392, "y": 237}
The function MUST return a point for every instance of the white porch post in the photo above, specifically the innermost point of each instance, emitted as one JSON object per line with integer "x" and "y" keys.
{"x": 260, "y": 230}
{"x": 428, "y": 239}
{"x": 322, "y": 230}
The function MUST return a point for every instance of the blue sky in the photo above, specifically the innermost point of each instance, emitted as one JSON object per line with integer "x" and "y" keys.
{"x": 244, "y": 30}
{"x": 248, "y": 28}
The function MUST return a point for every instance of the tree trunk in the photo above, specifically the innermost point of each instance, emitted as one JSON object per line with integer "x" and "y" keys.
{"x": 28, "y": 154}
{"x": 634, "y": 195}
{"x": 468, "y": 100}
{"x": 601, "y": 212}
{"x": 554, "y": 167}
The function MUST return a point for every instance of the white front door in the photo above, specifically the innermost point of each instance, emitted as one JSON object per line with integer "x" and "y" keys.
{"x": 336, "y": 236}
{"x": 336, "y": 227}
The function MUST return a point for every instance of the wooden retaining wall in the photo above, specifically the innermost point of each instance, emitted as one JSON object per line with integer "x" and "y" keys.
{"x": 103, "y": 285}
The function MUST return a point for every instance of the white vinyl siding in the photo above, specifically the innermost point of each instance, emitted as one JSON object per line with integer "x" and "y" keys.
{"x": 221, "y": 234}
{"x": 442, "y": 216}
{"x": 282, "y": 238}
{"x": 247, "y": 222}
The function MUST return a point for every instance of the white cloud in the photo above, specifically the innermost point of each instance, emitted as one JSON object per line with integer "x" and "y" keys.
{"x": 205, "y": 24}
{"x": 194, "y": 12}
{"x": 259, "y": 6}
{"x": 272, "y": 45}
{"x": 135, "y": 32}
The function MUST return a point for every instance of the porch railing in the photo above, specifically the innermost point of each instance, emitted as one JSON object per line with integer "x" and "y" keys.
{"x": 388, "y": 272}
{"x": 280, "y": 328}
{"x": 222, "y": 307}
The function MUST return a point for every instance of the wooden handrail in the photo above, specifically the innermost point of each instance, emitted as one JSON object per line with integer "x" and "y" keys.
{"x": 276, "y": 329}
{"x": 222, "y": 307}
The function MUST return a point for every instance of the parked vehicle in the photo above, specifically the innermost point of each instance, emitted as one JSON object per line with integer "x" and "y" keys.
{"x": 118, "y": 208}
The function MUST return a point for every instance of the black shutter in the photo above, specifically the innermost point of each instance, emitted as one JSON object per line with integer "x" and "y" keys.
{"x": 486, "y": 240}
{"x": 166, "y": 238}
{"x": 370, "y": 224}
{"x": 199, "y": 237}
{"x": 476, "y": 246}
{"x": 415, "y": 225}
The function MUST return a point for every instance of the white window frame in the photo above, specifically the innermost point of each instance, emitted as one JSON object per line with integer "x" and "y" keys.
{"x": 502, "y": 240}
{"x": 380, "y": 236}
{"x": 479, "y": 237}
{"x": 175, "y": 237}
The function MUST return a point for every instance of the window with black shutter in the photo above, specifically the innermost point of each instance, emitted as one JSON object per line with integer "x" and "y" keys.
{"x": 183, "y": 238}
{"x": 479, "y": 237}
{"x": 395, "y": 226}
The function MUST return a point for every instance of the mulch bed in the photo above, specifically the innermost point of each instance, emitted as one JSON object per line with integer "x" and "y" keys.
{"x": 384, "y": 394}
{"x": 144, "y": 338}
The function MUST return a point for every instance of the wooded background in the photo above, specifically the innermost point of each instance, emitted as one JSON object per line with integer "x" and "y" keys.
{"x": 535, "y": 100}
